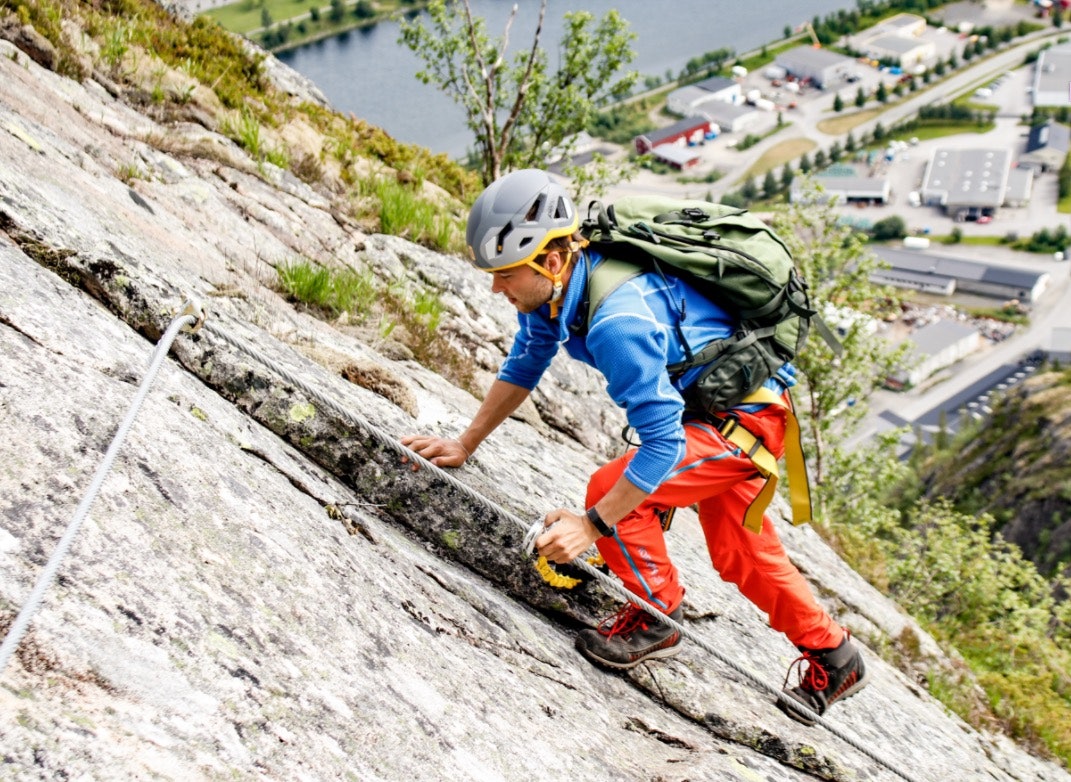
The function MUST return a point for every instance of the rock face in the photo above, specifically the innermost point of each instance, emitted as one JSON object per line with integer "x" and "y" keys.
{"x": 262, "y": 590}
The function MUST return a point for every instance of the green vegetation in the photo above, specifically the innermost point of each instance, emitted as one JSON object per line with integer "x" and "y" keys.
{"x": 331, "y": 292}
{"x": 524, "y": 109}
{"x": 409, "y": 316}
{"x": 972, "y": 591}
{"x": 1008, "y": 313}
{"x": 198, "y": 63}
{"x": 284, "y": 24}
{"x": 622, "y": 122}
{"x": 930, "y": 531}
{"x": 946, "y": 119}
{"x": 403, "y": 213}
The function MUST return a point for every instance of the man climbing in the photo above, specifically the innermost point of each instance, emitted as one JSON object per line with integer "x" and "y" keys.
{"x": 523, "y": 229}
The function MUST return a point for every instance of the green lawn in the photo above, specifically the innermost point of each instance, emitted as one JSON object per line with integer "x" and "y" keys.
{"x": 246, "y": 15}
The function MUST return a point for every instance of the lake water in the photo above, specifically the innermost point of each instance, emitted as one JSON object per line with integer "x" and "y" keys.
{"x": 368, "y": 73}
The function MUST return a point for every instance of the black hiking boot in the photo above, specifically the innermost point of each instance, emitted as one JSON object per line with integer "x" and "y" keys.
{"x": 629, "y": 637}
{"x": 831, "y": 675}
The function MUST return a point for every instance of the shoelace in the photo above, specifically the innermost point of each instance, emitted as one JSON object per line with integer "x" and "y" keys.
{"x": 624, "y": 622}
{"x": 814, "y": 679}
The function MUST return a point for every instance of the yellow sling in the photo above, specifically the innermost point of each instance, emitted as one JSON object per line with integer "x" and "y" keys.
{"x": 766, "y": 463}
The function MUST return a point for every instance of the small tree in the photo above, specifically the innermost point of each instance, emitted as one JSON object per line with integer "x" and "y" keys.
{"x": 519, "y": 111}
{"x": 787, "y": 175}
{"x": 749, "y": 190}
{"x": 892, "y": 227}
{"x": 769, "y": 184}
{"x": 838, "y": 103}
{"x": 882, "y": 94}
{"x": 1064, "y": 178}
{"x": 860, "y": 98}
{"x": 834, "y": 260}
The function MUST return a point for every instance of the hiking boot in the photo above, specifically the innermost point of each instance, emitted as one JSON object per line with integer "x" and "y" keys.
{"x": 831, "y": 675}
{"x": 629, "y": 637}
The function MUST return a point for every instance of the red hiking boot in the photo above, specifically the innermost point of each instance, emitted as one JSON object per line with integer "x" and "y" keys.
{"x": 831, "y": 675}
{"x": 630, "y": 637}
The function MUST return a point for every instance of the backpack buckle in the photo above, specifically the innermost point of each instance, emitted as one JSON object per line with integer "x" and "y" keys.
{"x": 694, "y": 213}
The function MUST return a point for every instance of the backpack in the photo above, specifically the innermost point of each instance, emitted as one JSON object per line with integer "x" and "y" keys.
{"x": 740, "y": 263}
{"x": 730, "y": 256}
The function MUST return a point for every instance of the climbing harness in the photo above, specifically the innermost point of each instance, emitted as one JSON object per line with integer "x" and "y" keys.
{"x": 194, "y": 317}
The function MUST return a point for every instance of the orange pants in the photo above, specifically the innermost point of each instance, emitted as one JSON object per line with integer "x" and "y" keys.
{"x": 723, "y": 481}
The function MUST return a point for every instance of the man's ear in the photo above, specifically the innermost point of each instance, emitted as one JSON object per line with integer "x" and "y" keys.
{"x": 554, "y": 261}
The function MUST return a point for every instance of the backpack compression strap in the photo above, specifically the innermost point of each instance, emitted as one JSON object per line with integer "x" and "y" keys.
{"x": 766, "y": 463}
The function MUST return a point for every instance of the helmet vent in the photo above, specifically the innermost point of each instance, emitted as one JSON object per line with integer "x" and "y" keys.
{"x": 537, "y": 208}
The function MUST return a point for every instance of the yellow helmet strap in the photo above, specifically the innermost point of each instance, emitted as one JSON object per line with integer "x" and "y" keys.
{"x": 556, "y": 277}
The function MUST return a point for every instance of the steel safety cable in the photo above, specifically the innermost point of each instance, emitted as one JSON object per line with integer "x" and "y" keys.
{"x": 44, "y": 579}
{"x": 532, "y": 531}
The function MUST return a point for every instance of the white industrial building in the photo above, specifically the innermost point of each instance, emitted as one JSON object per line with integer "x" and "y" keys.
{"x": 966, "y": 182}
{"x": 1052, "y": 76}
{"x": 1046, "y": 146}
{"x": 843, "y": 183}
{"x": 821, "y": 67}
{"x": 730, "y": 117}
{"x": 899, "y": 39}
{"x": 946, "y": 275}
{"x": 934, "y": 347}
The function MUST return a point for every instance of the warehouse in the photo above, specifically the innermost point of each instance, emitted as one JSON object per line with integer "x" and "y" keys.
{"x": 820, "y": 67}
{"x": 934, "y": 273}
{"x": 967, "y": 183}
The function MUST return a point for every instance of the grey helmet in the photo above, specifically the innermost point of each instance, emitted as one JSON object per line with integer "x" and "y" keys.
{"x": 515, "y": 218}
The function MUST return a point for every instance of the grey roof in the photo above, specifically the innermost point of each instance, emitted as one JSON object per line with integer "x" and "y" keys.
{"x": 809, "y": 57}
{"x": 723, "y": 112}
{"x": 910, "y": 276}
{"x": 1020, "y": 185}
{"x": 1054, "y": 70}
{"x": 715, "y": 84}
{"x": 932, "y": 339}
{"x": 945, "y": 266}
{"x": 850, "y": 185}
{"x": 1051, "y": 135}
{"x": 681, "y": 126}
{"x": 969, "y": 177}
{"x": 856, "y": 184}
{"x": 895, "y": 43}
{"x": 690, "y": 94}
{"x": 901, "y": 22}
{"x": 671, "y": 153}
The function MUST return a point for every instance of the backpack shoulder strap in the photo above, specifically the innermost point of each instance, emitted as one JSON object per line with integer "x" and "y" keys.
{"x": 604, "y": 279}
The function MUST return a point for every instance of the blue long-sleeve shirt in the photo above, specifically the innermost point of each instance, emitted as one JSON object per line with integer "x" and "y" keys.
{"x": 631, "y": 340}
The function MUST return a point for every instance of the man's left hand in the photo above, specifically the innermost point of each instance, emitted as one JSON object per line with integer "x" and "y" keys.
{"x": 570, "y": 536}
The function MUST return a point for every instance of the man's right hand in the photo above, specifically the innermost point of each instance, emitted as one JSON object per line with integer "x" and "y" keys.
{"x": 437, "y": 450}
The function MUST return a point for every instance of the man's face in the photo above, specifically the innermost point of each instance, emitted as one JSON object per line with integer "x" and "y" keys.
{"x": 526, "y": 289}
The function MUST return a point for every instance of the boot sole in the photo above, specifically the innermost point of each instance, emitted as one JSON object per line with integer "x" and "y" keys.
{"x": 786, "y": 704}
{"x": 657, "y": 654}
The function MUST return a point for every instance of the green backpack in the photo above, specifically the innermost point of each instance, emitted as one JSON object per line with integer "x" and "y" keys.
{"x": 729, "y": 255}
